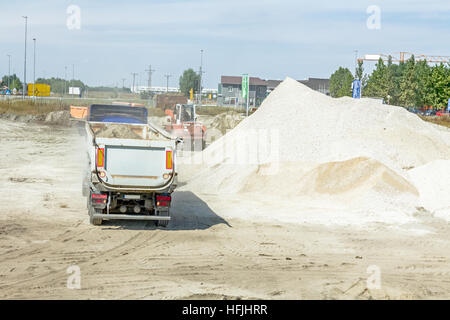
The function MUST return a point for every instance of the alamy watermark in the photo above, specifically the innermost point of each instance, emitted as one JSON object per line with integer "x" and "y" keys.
{"x": 374, "y": 280}
{"x": 244, "y": 147}
{"x": 74, "y": 280}
{"x": 73, "y": 21}
{"x": 374, "y": 19}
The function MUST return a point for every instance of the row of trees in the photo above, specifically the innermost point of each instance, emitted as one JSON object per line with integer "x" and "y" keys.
{"x": 412, "y": 83}
{"x": 189, "y": 80}
{"x": 14, "y": 82}
{"x": 61, "y": 86}
{"x": 57, "y": 85}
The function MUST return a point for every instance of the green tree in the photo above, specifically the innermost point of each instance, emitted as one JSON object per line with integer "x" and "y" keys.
{"x": 189, "y": 80}
{"x": 409, "y": 85}
{"x": 423, "y": 72}
{"x": 392, "y": 78}
{"x": 382, "y": 82}
{"x": 438, "y": 86}
{"x": 360, "y": 75}
{"x": 341, "y": 83}
{"x": 14, "y": 82}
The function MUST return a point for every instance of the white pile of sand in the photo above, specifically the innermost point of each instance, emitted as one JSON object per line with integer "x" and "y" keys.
{"x": 433, "y": 183}
{"x": 348, "y": 153}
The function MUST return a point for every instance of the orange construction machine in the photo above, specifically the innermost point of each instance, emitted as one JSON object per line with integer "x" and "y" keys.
{"x": 183, "y": 123}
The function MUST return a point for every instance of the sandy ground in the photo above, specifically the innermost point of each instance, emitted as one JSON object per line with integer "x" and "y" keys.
{"x": 207, "y": 252}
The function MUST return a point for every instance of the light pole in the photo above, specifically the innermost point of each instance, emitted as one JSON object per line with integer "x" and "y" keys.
{"x": 200, "y": 79}
{"x": 167, "y": 79}
{"x": 134, "y": 74}
{"x": 150, "y": 72}
{"x": 9, "y": 70}
{"x": 25, "y": 60}
{"x": 65, "y": 80}
{"x": 34, "y": 68}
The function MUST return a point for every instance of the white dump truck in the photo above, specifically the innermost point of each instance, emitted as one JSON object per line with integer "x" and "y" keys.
{"x": 131, "y": 171}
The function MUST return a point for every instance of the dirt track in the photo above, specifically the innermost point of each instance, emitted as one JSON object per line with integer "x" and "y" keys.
{"x": 205, "y": 253}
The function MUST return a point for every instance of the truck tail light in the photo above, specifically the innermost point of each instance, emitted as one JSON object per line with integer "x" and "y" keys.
{"x": 100, "y": 157}
{"x": 163, "y": 201}
{"x": 169, "y": 164}
{"x": 163, "y": 198}
{"x": 99, "y": 198}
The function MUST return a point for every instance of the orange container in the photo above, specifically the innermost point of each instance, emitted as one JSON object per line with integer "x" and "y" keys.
{"x": 78, "y": 112}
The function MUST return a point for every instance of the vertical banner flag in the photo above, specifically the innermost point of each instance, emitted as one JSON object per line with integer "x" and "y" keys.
{"x": 356, "y": 86}
{"x": 245, "y": 85}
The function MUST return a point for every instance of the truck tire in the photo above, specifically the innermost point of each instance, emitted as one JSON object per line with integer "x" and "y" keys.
{"x": 92, "y": 220}
{"x": 163, "y": 223}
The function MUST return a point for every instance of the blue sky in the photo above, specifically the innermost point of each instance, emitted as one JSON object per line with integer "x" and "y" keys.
{"x": 265, "y": 38}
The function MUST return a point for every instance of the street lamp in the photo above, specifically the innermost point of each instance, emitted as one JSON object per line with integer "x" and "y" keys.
{"x": 25, "y": 60}
{"x": 9, "y": 70}
{"x": 34, "y": 67}
{"x": 167, "y": 78}
{"x": 200, "y": 78}
{"x": 65, "y": 80}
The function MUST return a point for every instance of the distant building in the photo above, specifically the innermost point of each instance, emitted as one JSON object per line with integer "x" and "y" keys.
{"x": 230, "y": 94}
{"x": 318, "y": 84}
{"x": 272, "y": 84}
{"x": 139, "y": 89}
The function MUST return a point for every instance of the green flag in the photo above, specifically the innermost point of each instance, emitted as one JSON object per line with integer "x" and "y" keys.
{"x": 245, "y": 85}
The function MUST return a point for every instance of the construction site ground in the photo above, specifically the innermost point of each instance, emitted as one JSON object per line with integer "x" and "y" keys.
{"x": 208, "y": 251}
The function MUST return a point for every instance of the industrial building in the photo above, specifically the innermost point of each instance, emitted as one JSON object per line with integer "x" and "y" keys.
{"x": 230, "y": 89}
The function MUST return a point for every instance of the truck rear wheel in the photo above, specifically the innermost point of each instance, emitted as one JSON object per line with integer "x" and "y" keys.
{"x": 92, "y": 220}
{"x": 163, "y": 223}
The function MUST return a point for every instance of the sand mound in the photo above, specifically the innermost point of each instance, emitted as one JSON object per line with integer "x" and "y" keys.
{"x": 433, "y": 182}
{"x": 117, "y": 131}
{"x": 303, "y": 143}
{"x": 58, "y": 117}
{"x": 354, "y": 174}
{"x": 226, "y": 121}
{"x": 314, "y": 127}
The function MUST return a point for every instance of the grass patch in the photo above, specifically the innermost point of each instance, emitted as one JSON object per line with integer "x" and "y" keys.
{"x": 29, "y": 107}
{"x": 440, "y": 120}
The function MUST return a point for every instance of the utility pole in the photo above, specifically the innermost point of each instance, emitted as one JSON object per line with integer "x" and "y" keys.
{"x": 123, "y": 83}
{"x": 167, "y": 79}
{"x": 73, "y": 72}
{"x": 200, "y": 78}
{"x": 65, "y": 80}
{"x": 150, "y": 72}
{"x": 9, "y": 70}
{"x": 134, "y": 74}
{"x": 25, "y": 60}
{"x": 34, "y": 68}
{"x": 356, "y": 61}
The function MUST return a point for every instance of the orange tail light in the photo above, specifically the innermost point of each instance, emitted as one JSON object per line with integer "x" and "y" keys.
{"x": 100, "y": 157}
{"x": 169, "y": 164}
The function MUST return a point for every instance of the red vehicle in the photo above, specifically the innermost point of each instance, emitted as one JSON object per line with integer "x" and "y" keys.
{"x": 184, "y": 124}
